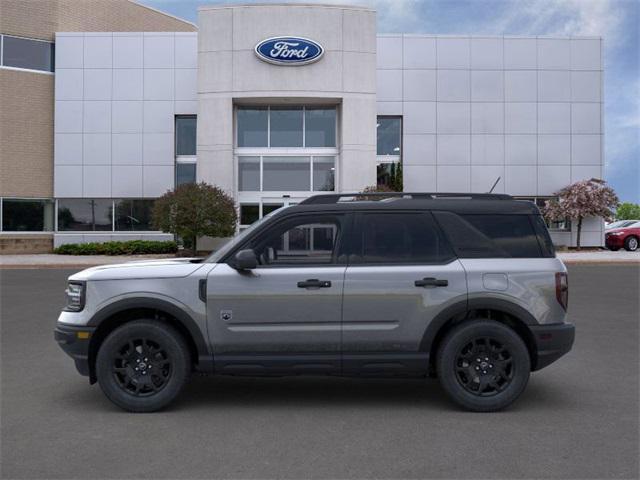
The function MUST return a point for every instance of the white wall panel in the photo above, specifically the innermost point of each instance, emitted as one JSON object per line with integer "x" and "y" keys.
{"x": 419, "y": 52}
{"x": 554, "y": 86}
{"x": 454, "y": 178}
{"x": 487, "y": 117}
{"x": 554, "y": 149}
{"x": 419, "y": 85}
{"x": 520, "y": 53}
{"x": 419, "y": 117}
{"x": 68, "y": 149}
{"x": 487, "y": 53}
{"x": 128, "y": 84}
{"x": 520, "y": 179}
{"x": 68, "y": 116}
{"x": 554, "y": 54}
{"x": 586, "y": 150}
{"x": 127, "y": 51}
{"x": 186, "y": 50}
{"x": 67, "y": 181}
{"x": 454, "y": 149}
{"x": 96, "y": 181}
{"x": 158, "y": 117}
{"x": 69, "y": 50}
{"x": 586, "y": 54}
{"x": 126, "y": 181}
{"x": 454, "y": 117}
{"x": 419, "y": 178}
{"x": 98, "y": 51}
{"x": 487, "y": 85}
{"x": 554, "y": 117}
{"x": 520, "y": 149}
{"x": 483, "y": 177}
{"x": 419, "y": 149}
{"x": 157, "y": 179}
{"x": 454, "y": 86}
{"x": 585, "y": 86}
{"x": 158, "y": 51}
{"x": 68, "y": 84}
{"x": 158, "y": 149}
{"x": 126, "y": 117}
{"x": 389, "y": 52}
{"x": 96, "y": 149}
{"x": 585, "y": 118}
{"x": 97, "y": 84}
{"x": 552, "y": 178}
{"x": 520, "y": 118}
{"x": 453, "y": 52}
{"x": 521, "y": 85}
{"x": 126, "y": 149}
{"x": 487, "y": 149}
{"x": 389, "y": 85}
{"x": 158, "y": 84}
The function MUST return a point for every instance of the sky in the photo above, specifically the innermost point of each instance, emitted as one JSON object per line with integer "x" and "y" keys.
{"x": 617, "y": 21}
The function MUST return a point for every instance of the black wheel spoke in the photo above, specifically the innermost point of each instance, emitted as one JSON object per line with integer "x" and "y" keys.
{"x": 483, "y": 366}
{"x": 141, "y": 367}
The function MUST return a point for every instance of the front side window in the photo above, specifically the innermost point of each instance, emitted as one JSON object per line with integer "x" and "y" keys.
{"x": 133, "y": 215}
{"x": 394, "y": 238}
{"x": 27, "y": 215}
{"x": 85, "y": 215}
{"x": 300, "y": 241}
{"x": 26, "y": 53}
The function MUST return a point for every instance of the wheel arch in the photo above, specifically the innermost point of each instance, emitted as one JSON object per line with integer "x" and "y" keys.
{"x": 503, "y": 311}
{"x": 123, "y": 311}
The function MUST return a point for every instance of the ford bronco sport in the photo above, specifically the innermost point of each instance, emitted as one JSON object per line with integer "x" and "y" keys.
{"x": 463, "y": 287}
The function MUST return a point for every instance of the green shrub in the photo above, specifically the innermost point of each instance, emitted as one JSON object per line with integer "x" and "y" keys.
{"x": 131, "y": 247}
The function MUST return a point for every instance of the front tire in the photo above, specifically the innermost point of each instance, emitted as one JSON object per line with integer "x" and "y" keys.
{"x": 631, "y": 244}
{"x": 143, "y": 365}
{"x": 483, "y": 365}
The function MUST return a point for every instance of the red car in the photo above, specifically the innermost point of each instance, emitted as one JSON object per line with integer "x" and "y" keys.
{"x": 627, "y": 237}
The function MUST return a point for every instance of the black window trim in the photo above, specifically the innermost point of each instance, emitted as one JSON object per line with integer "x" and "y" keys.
{"x": 340, "y": 257}
{"x": 357, "y": 227}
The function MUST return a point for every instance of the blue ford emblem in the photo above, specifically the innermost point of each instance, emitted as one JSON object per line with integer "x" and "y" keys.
{"x": 289, "y": 50}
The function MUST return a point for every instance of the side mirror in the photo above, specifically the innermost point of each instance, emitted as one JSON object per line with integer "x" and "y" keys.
{"x": 245, "y": 260}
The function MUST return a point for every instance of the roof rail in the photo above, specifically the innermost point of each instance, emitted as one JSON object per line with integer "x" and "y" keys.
{"x": 378, "y": 196}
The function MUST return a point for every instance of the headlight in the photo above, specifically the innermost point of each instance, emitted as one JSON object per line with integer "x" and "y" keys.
{"x": 616, "y": 233}
{"x": 75, "y": 296}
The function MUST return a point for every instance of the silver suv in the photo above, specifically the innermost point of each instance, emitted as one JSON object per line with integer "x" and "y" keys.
{"x": 463, "y": 287}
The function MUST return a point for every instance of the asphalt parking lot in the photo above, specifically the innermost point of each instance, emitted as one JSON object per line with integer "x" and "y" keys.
{"x": 577, "y": 419}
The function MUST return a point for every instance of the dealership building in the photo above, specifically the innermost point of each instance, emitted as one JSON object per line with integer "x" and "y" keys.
{"x": 273, "y": 103}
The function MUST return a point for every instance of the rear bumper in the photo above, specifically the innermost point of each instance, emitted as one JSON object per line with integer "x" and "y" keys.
{"x": 552, "y": 342}
{"x": 75, "y": 343}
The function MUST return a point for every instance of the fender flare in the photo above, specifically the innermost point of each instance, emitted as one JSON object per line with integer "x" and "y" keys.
{"x": 462, "y": 308}
{"x": 205, "y": 358}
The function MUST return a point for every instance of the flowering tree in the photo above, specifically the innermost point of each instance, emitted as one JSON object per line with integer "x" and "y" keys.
{"x": 586, "y": 198}
{"x": 195, "y": 210}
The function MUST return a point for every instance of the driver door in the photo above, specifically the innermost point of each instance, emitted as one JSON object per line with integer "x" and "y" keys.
{"x": 286, "y": 313}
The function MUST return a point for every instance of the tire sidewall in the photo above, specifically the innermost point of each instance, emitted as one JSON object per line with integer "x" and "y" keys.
{"x": 457, "y": 339}
{"x": 175, "y": 347}
{"x": 628, "y": 241}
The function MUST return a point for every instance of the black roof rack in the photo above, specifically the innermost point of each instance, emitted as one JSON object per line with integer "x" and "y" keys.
{"x": 326, "y": 199}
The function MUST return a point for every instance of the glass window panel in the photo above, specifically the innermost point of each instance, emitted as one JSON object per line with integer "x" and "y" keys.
{"x": 401, "y": 238}
{"x": 299, "y": 241}
{"x": 185, "y": 173}
{"x": 286, "y": 126}
{"x": 320, "y": 127}
{"x": 286, "y": 173}
{"x": 133, "y": 215}
{"x": 252, "y": 126}
{"x": 25, "y": 53}
{"x": 22, "y": 215}
{"x": 249, "y": 174}
{"x": 267, "y": 208}
{"x": 389, "y": 132}
{"x": 83, "y": 214}
{"x": 324, "y": 174}
{"x": 186, "y": 135}
{"x": 249, "y": 213}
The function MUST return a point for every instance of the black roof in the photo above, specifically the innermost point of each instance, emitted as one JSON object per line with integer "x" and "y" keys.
{"x": 453, "y": 202}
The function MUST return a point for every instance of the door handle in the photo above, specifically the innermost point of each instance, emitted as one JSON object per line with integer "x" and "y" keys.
{"x": 431, "y": 282}
{"x": 314, "y": 283}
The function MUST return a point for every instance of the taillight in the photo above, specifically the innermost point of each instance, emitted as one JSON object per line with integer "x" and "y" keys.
{"x": 562, "y": 289}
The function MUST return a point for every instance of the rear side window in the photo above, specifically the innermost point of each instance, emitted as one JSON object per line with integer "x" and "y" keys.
{"x": 395, "y": 238}
{"x": 544, "y": 239}
{"x": 486, "y": 236}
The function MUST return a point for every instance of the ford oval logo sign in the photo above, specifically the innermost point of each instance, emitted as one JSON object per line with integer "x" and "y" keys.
{"x": 289, "y": 50}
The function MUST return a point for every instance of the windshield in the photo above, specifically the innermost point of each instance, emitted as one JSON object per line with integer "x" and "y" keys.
{"x": 227, "y": 247}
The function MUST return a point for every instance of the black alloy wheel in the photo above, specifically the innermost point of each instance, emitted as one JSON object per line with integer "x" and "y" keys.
{"x": 143, "y": 365}
{"x": 484, "y": 367}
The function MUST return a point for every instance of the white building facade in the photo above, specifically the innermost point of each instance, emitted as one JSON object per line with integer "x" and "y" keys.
{"x": 521, "y": 115}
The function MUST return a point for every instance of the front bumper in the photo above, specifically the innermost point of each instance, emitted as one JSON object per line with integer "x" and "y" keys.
{"x": 75, "y": 343}
{"x": 614, "y": 241}
{"x": 552, "y": 342}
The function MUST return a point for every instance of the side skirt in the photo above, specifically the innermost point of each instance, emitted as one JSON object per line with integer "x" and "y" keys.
{"x": 369, "y": 364}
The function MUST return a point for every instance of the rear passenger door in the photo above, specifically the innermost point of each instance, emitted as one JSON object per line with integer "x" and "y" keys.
{"x": 401, "y": 274}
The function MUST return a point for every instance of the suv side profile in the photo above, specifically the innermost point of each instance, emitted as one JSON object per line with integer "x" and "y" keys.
{"x": 465, "y": 287}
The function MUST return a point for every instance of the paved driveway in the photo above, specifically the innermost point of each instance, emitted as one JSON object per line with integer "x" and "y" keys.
{"x": 577, "y": 419}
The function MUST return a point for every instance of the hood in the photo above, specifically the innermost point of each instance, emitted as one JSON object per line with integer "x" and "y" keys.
{"x": 616, "y": 230}
{"x": 140, "y": 269}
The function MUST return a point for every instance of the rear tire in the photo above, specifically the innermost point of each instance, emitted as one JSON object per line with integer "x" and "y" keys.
{"x": 483, "y": 365}
{"x": 143, "y": 365}
{"x": 631, "y": 243}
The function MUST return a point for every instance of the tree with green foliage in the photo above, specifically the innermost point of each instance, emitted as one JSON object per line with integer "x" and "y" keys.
{"x": 628, "y": 211}
{"x": 195, "y": 210}
{"x": 586, "y": 198}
